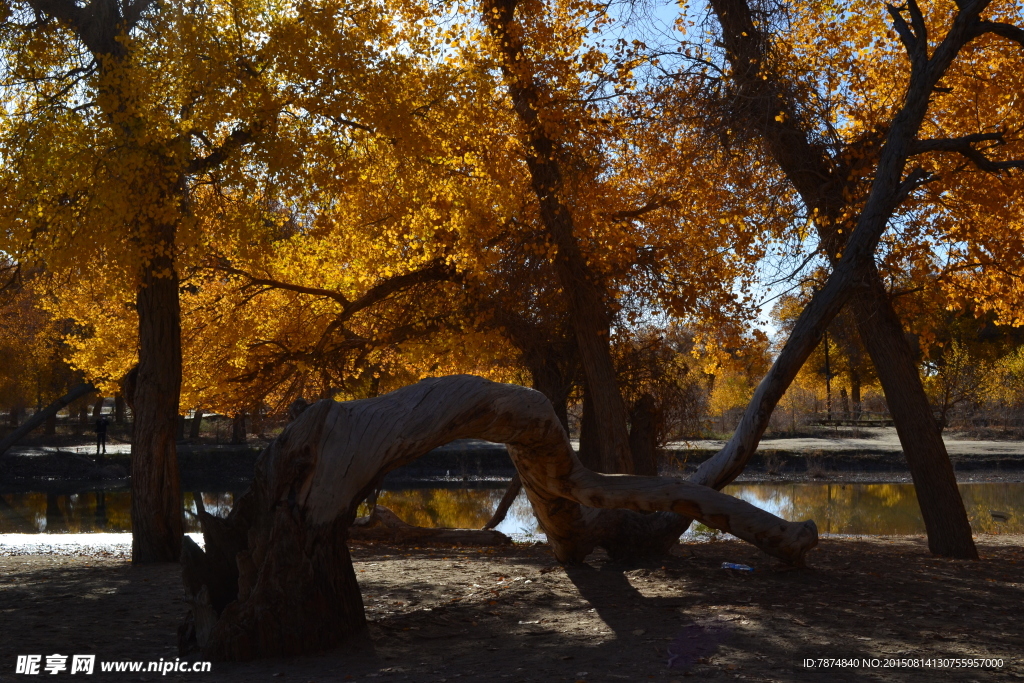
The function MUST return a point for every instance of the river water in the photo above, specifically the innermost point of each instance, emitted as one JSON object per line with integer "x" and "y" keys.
{"x": 873, "y": 509}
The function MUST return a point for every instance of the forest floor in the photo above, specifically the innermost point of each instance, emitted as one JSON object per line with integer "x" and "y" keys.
{"x": 514, "y": 614}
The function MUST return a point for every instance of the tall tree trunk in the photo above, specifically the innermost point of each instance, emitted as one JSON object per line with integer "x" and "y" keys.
{"x": 587, "y": 303}
{"x": 97, "y": 409}
{"x": 197, "y": 422}
{"x": 118, "y": 409}
{"x": 855, "y": 392}
{"x": 238, "y": 429}
{"x": 823, "y": 184}
{"x": 157, "y": 524}
{"x": 256, "y": 417}
{"x": 14, "y": 417}
{"x": 51, "y": 425}
{"x": 276, "y": 578}
{"x": 945, "y": 519}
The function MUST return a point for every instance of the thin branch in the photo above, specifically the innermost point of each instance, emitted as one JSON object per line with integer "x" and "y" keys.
{"x": 271, "y": 284}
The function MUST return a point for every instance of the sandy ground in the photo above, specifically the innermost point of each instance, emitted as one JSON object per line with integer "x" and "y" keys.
{"x": 452, "y": 614}
{"x": 868, "y": 440}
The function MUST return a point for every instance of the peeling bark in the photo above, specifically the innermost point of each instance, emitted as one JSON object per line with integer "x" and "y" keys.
{"x": 286, "y": 537}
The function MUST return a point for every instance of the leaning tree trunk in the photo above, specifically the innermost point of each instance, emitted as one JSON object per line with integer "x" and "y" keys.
{"x": 157, "y": 525}
{"x": 47, "y": 415}
{"x": 938, "y": 496}
{"x": 813, "y": 173}
{"x": 276, "y": 577}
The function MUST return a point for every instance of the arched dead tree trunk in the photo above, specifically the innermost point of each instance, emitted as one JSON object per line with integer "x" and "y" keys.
{"x": 276, "y": 577}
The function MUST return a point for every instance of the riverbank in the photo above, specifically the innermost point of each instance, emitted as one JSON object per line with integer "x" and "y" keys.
{"x": 452, "y": 614}
{"x": 862, "y": 455}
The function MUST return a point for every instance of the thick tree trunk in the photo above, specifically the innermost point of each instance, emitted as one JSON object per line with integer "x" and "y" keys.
{"x": 47, "y": 415}
{"x": 13, "y": 418}
{"x": 643, "y": 435}
{"x": 945, "y": 519}
{"x": 157, "y": 524}
{"x": 276, "y": 578}
{"x": 118, "y": 409}
{"x": 855, "y": 392}
{"x": 238, "y": 429}
{"x": 97, "y": 409}
{"x": 197, "y": 422}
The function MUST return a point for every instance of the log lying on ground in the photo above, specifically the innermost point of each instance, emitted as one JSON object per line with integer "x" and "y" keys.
{"x": 276, "y": 577}
{"x": 385, "y": 526}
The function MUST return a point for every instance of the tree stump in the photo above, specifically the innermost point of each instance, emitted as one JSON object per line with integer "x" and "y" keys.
{"x": 276, "y": 577}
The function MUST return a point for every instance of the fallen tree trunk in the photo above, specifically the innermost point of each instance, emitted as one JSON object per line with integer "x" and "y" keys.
{"x": 385, "y": 526}
{"x": 41, "y": 416}
{"x": 276, "y": 577}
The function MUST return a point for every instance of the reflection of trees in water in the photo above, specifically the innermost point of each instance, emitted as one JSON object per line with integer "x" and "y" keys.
{"x": 28, "y": 513}
{"x": 100, "y": 511}
{"x": 836, "y": 508}
{"x": 880, "y": 508}
{"x": 456, "y": 508}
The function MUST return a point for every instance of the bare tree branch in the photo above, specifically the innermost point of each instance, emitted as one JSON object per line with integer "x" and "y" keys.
{"x": 964, "y": 146}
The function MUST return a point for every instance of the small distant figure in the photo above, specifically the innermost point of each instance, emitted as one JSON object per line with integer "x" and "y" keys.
{"x": 101, "y": 435}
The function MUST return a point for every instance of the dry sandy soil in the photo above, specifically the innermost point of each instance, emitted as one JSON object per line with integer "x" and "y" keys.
{"x": 454, "y": 614}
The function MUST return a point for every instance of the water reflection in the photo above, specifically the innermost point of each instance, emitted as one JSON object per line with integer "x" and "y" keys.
{"x": 836, "y": 508}
{"x": 91, "y": 512}
{"x": 881, "y": 509}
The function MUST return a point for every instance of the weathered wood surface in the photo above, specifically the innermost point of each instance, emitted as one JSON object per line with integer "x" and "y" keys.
{"x": 277, "y": 573}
